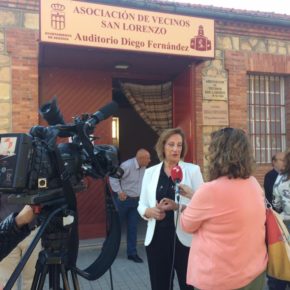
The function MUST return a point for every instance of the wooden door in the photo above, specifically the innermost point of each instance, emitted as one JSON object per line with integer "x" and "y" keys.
{"x": 82, "y": 91}
{"x": 184, "y": 109}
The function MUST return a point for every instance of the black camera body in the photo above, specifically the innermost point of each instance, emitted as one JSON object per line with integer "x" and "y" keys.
{"x": 35, "y": 164}
{"x": 26, "y": 164}
{"x": 15, "y": 154}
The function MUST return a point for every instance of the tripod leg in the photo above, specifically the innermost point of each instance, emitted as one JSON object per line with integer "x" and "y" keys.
{"x": 39, "y": 278}
{"x": 54, "y": 279}
{"x": 111, "y": 278}
{"x": 64, "y": 277}
{"x": 75, "y": 280}
{"x": 42, "y": 278}
{"x": 35, "y": 278}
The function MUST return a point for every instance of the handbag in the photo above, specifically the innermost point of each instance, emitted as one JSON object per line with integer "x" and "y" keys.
{"x": 277, "y": 239}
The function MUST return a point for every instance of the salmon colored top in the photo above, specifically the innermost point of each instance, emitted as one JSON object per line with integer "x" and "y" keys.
{"x": 228, "y": 250}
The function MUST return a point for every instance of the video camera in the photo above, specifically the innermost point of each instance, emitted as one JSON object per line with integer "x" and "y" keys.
{"x": 33, "y": 166}
{"x": 35, "y": 169}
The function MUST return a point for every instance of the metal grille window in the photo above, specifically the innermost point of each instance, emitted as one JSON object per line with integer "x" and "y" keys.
{"x": 266, "y": 120}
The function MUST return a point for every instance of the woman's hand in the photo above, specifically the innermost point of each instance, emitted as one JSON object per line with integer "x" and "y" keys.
{"x": 167, "y": 204}
{"x": 186, "y": 191}
{"x": 155, "y": 213}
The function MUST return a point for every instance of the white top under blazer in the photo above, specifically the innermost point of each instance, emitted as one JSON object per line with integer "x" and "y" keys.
{"x": 191, "y": 177}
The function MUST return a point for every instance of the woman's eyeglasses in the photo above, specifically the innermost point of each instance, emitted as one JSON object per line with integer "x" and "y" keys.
{"x": 172, "y": 146}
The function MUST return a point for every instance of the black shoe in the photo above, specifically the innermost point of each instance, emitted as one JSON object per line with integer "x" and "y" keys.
{"x": 135, "y": 258}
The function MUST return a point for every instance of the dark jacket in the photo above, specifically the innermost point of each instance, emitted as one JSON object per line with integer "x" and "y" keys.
{"x": 269, "y": 181}
{"x": 10, "y": 235}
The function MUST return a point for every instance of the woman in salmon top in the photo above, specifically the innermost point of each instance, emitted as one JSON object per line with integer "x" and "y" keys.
{"x": 227, "y": 217}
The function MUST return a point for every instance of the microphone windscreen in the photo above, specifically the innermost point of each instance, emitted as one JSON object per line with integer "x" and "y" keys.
{"x": 176, "y": 174}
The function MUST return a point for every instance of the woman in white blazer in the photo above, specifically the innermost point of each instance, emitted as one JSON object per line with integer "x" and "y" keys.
{"x": 167, "y": 246}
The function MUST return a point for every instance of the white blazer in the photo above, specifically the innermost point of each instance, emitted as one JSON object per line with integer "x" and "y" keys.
{"x": 191, "y": 177}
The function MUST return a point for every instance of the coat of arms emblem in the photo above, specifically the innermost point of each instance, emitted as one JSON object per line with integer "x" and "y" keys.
{"x": 57, "y": 16}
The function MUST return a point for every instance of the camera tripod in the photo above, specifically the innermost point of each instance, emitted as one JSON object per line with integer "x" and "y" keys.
{"x": 56, "y": 259}
{"x": 60, "y": 245}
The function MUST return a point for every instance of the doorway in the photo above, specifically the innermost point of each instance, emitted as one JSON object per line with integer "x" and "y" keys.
{"x": 133, "y": 131}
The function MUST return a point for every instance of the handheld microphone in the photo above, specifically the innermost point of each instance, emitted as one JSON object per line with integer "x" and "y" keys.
{"x": 176, "y": 176}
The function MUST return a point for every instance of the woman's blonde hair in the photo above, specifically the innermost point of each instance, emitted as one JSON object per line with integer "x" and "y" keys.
{"x": 230, "y": 154}
{"x": 165, "y": 135}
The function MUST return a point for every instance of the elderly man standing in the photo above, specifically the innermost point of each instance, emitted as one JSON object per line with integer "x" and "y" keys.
{"x": 126, "y": 194}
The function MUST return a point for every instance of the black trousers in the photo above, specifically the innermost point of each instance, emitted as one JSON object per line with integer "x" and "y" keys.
{"x": 160, "y": 260}
{"x": 275, "y": 284}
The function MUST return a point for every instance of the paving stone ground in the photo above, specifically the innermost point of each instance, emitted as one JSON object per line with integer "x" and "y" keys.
{"x": 126, "y": 275}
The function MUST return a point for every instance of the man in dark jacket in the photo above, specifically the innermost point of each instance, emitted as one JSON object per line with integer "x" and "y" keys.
{"x": 14, "y": 229}
{"x": 269, "y": 181}
{"x": 270, "y": 177}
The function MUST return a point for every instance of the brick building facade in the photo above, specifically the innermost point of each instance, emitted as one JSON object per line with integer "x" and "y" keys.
{"x": 246, "y": 44}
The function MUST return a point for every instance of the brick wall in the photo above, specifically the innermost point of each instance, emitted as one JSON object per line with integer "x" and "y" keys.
{"x": 252, "y": 30}
{"x": 239, "y": 64}
{"x": 287, "y": 105}
{"x": 23, "y": 47}
{"x": 242, "y": 48}
{"x": 21, "y": 4}
{"x": 19, "y": 24}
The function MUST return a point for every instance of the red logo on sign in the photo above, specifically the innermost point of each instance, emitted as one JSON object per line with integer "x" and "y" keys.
{"x": 200, "y": 42}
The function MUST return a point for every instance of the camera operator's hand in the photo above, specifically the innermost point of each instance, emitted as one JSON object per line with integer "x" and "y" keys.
{"x": 122, "y": 196}
{"x": 25, "y": 216}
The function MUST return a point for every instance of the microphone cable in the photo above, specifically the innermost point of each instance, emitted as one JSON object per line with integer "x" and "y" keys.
{"x": 175, "y": 237}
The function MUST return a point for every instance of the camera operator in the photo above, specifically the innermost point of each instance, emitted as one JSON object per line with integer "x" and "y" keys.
{"x": 14, "y": 229}
{"x": 17, "y": 250}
